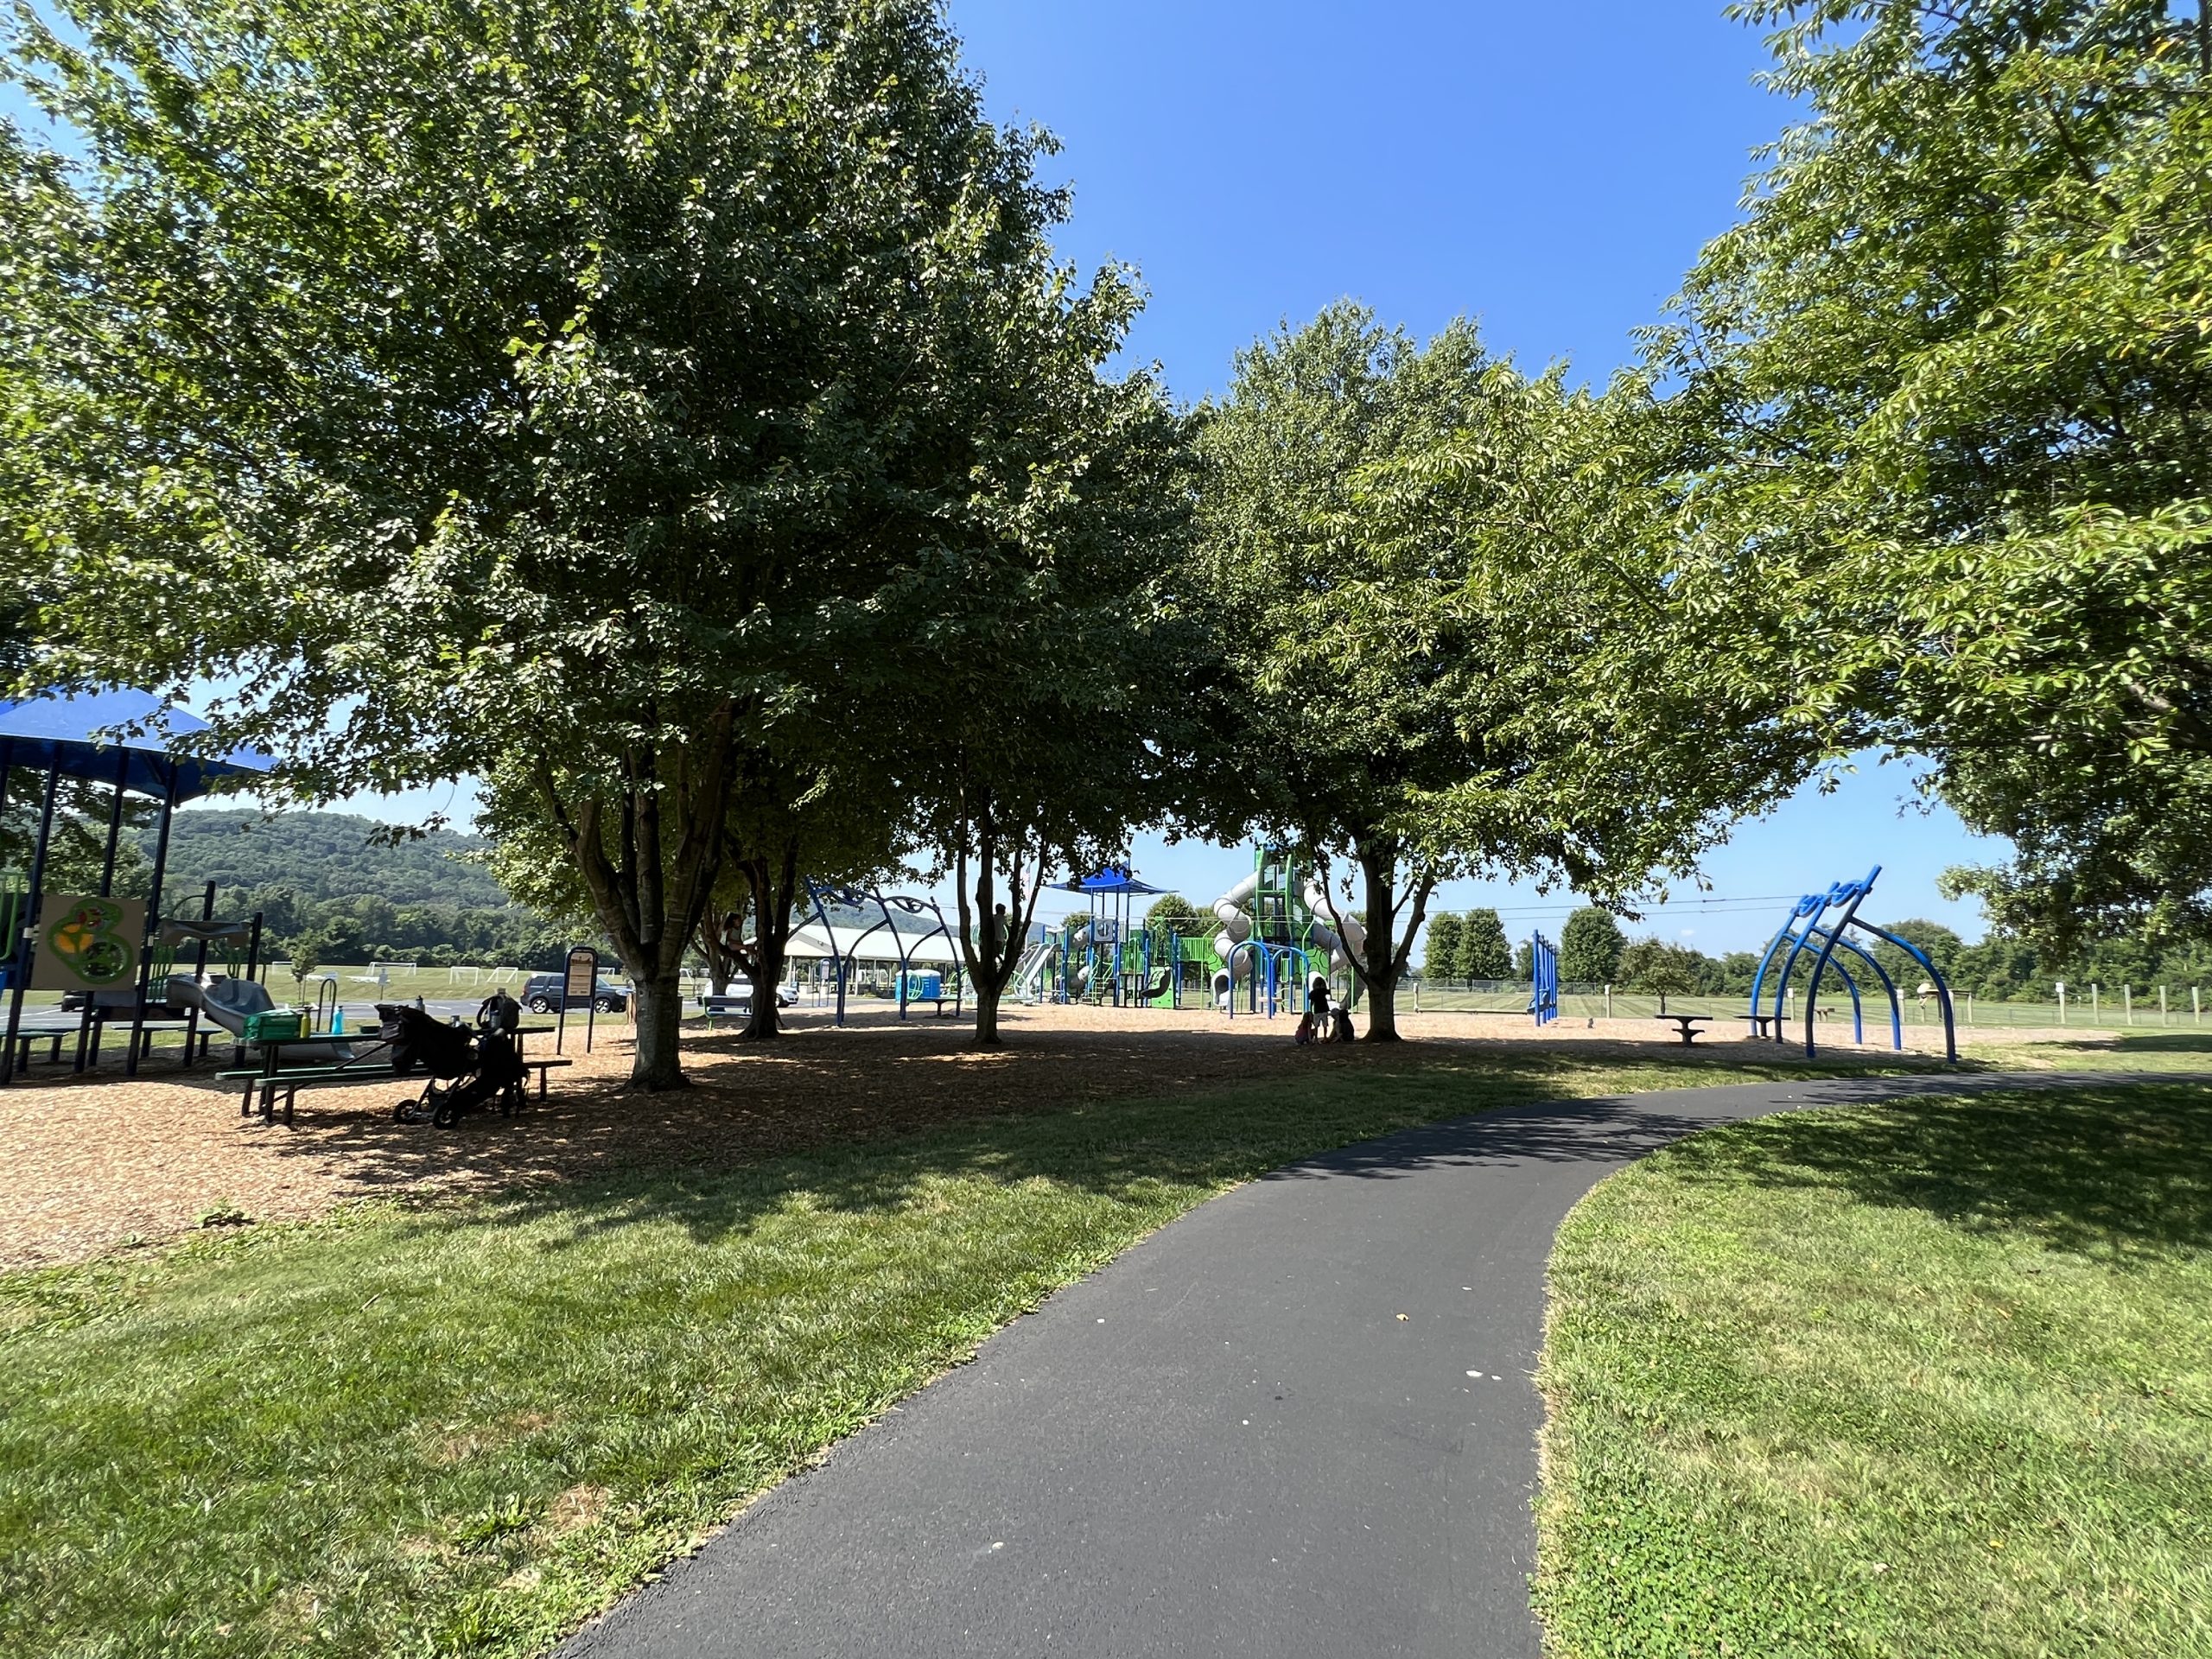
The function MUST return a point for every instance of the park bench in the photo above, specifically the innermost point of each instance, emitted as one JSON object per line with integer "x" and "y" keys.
{"x": 726, "y": 1008}
{"x": 1685, "y": 1023}
{"x": 269, "y": 1084}
{"x": 1760, "y": 1022}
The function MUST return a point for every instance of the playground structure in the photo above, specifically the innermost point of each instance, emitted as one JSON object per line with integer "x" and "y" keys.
{"x": 109, "y": 949}
{"x": 1265, "y": 945}
{"x": 1273, "y": 940}
{"x": 844, "y": 921}
{"x": 1103, "y": 954}
{"x": 1822, "y": 922}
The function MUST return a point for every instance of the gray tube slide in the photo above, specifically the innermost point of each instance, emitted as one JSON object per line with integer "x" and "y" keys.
{"x": 227, "y": 1001}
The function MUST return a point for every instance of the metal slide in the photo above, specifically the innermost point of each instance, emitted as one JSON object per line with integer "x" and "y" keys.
{"x": 227, "y": 1001}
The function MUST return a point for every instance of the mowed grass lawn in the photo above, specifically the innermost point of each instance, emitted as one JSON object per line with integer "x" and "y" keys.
{"x": 465, "y": 1428}
{"x": 1930, "y": 1378}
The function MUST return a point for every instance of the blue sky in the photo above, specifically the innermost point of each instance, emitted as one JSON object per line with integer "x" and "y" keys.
{"x": 1550, "y": 171}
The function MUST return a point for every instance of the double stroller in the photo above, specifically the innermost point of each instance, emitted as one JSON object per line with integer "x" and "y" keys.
{"x": 467, "y": 1069}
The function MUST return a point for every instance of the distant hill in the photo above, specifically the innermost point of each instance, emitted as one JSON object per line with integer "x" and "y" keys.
{"x": 323, "y": 856}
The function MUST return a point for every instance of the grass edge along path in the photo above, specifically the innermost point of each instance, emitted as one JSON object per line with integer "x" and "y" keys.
{"x": 469, "y": 1427}
{"x": 1928, "y": 1378}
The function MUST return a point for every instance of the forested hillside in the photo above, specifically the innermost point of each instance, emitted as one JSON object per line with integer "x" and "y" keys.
{"x": 323, "y": 856}
{"x": 327, "y": 892}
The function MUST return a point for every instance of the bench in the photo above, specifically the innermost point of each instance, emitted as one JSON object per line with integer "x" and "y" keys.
{"x": 269, "y": 1084}
{"x": 726, "y": 1008}
{"x": 1685, "y": 1023}
{"x": 1761, "y": 1021}
{"x": 288, "y": 1083}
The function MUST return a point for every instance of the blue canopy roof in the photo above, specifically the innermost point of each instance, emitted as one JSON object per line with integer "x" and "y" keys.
{"x": 76, "y": 734}
{"x": 1113, "y": 879}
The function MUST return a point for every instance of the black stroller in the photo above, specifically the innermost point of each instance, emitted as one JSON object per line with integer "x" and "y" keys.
{"x": 467, "y": 1070}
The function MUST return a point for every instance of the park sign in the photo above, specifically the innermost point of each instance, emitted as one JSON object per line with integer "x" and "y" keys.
{"x": 581, "y": 980}
{"x": 88, "y": 942}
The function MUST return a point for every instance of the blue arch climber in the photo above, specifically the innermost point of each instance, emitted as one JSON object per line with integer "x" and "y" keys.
{"x": 1821, "y": 923}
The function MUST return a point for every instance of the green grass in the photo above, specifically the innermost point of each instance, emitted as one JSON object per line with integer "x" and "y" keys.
{"x": 1933, "y": 1378}
{"x": 2134, "y": 1050}
{"x": 463, "y": 1429}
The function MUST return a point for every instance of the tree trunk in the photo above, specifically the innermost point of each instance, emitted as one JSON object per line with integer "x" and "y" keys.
{"x": 991, "y": 953}
{"x": 774, "y": 892}
{"x": 657, "y": 1015}
{"x": 1381, "y": 979}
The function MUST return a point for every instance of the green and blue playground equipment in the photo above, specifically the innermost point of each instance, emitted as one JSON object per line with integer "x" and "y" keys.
{"x": 1266, "y": 946}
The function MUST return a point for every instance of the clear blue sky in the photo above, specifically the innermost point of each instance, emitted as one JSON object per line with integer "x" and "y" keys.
{"x": 1551, "y": 171}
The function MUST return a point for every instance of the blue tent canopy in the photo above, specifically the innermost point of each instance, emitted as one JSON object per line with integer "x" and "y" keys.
{"x": 76, "y": 736}
{"x": 1113, "y": 879}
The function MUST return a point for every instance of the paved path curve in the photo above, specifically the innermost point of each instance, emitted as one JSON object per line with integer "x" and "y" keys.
{"x": 1226, "y": 1442}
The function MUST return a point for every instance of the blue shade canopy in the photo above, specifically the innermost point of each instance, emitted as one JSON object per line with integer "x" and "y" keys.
{"x": 1113, "y": 879}
{"x": 74, "y": 734}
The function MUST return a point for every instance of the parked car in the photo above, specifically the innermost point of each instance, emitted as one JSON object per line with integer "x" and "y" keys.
{"x": 540, "y": 994}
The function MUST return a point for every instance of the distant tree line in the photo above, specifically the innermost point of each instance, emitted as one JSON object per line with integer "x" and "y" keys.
{"x": 1593, "y": 950}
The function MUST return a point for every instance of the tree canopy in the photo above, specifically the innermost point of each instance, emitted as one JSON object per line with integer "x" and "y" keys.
{"x": 565, "y": 394}
{"x": 1440, "y": 590}
{"x": 1946, "y": 389}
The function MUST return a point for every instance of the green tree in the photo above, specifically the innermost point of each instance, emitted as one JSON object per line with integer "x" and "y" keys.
{"x": 1941, "y": 944}
{"x": 1484, "y": 951}
{"x": 1172, "y": 914}
{"x": 1589, "y": 947}
{"x": 1661, "y": 967}
{"x": 1445, "y": 956}
{"x": 568, "y": 395}
{"x": 1027, "y": 772}
{"x": 1950, "y": 394}
{"x": 1433, "y": 582}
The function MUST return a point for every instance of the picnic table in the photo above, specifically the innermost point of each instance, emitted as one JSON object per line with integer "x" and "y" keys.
{"x": 272, "y": 1077}
{"x": 1685, "y": 1023}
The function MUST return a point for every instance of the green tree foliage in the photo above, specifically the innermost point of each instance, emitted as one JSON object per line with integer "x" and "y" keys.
{"x": 1589, "y": 947}
{"x": 1661, "y": 967}
{"x": 1443, "y": 957}
{"x": 1053, "y": 670}
{"x": 1484, "y": 951}
{"x": 1948, "y": 384}
{"x": 1428, "y": 576}
{"x": 568, "y": 395}
{"x": 1170, "y": 915}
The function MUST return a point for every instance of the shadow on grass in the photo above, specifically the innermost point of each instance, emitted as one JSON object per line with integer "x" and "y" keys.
{"x": 2115, "y": 1173}
{"x": 1364, "y": 1123}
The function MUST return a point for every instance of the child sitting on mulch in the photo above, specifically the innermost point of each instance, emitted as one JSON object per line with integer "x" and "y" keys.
{"x": 1306, "y": 1027}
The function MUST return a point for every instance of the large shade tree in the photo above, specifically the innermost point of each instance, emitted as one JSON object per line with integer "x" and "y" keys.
{"x": 1951, "y": 387}
{"x": 548, "y": 392}
{"x": 1441, "y": 588}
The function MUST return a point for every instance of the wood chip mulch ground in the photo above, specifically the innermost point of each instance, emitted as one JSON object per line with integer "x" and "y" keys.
{"x": 96, "y": 1162}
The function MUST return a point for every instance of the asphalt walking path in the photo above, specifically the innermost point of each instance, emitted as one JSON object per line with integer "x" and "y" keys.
{"x": 1298, "y": 1423}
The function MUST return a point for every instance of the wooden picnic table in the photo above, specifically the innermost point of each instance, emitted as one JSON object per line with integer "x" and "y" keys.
{"x": 1686, "y": 1023}
{"x": 272, "y": 1074}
